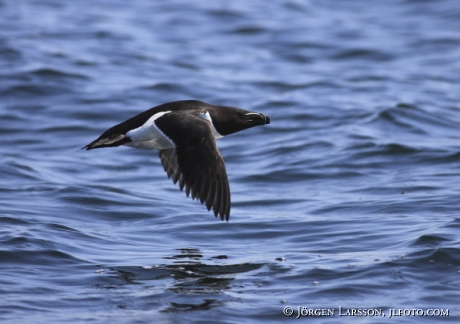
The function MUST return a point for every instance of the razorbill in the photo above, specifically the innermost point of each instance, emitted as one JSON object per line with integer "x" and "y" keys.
{"x": 185, "y": 133}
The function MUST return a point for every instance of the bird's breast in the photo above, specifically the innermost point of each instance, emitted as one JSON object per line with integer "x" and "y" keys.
{"x": 207, "y": 116}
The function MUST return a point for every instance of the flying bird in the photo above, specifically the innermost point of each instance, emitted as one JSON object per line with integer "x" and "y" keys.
{"x": 185, "y": 133}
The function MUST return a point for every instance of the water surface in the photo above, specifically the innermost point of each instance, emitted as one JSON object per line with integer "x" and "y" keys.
{"x": 349, "y": 198}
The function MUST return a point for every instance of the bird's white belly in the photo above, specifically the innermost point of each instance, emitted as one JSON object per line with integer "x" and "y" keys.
{"x": 149, "y": 136}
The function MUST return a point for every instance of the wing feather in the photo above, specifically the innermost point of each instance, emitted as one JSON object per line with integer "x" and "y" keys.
{"x": 195, "y": 161}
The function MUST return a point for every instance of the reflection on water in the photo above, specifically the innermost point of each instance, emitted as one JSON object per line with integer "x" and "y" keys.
{"x": 196, "y": 285}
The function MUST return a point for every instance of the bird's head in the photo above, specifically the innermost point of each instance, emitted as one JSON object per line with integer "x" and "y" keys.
{"x": 229, "y": 120}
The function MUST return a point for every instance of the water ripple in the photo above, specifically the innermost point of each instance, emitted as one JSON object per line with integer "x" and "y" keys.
{"x": 349, "y": 197}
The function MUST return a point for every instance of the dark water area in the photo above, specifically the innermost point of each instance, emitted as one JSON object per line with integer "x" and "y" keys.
{"x": 349, "y": 199}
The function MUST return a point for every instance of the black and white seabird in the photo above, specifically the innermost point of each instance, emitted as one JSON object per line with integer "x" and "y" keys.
{"x": 185, "y": 133}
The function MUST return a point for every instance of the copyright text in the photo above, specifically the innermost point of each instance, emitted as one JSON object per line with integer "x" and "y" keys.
{"x": 302, "y": 311}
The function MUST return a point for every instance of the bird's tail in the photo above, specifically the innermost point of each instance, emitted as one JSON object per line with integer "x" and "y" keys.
{"x": 107, "y": 141}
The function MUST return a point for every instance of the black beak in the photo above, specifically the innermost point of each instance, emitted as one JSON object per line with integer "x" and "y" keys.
{"x": 267, "y": 119}
{"x": 257, "y": 119}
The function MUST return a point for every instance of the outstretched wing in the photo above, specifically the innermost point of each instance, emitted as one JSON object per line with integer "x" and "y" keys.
{"x": 195, "y": 162}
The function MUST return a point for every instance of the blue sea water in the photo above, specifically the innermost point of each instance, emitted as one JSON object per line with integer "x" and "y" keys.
{"x": 349, "y": 198}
